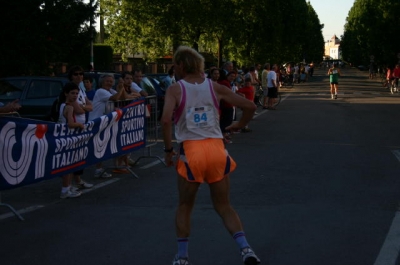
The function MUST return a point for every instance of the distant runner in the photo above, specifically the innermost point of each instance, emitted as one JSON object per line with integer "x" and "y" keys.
{"x": 334, "y": 74}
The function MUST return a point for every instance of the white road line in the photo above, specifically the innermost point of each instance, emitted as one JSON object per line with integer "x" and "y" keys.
{"x": 22, "y": 211}
{"x": 100, "y": 185}
{"x": 151, "y": 164}
{"x": 396, "y": 154}
{"x": 37, "y": 207}
{"x": 391, "y": 247}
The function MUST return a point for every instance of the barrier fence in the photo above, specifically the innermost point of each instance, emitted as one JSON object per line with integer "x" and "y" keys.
{"x": 151, "y": 129}
{"x": 12, "y": 114}
{"x": 34, "y": 151}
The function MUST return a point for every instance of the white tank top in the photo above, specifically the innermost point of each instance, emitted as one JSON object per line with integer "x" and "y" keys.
{"x": 61, "y": 118}
{"x": 78, "y": 118}
{"x": 197, "y": 116}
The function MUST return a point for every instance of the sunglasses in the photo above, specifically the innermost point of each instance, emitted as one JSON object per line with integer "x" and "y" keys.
{"x": 76, "y": 74}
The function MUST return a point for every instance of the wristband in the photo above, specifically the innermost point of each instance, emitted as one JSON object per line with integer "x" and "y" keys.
{"x": 168, "y": 150}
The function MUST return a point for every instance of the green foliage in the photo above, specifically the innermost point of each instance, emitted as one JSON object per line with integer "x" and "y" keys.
{"x": 243, "y": 31}
{"x": 372, "y": 29}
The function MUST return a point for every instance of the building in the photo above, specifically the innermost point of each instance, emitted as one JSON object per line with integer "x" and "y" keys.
{"x": 332, "y": 49}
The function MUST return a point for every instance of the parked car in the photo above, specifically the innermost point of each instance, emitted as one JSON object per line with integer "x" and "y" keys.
{"x": 160, "y": 78}
{"x": 153, "y": 87}
{"x": 36, "y": 94}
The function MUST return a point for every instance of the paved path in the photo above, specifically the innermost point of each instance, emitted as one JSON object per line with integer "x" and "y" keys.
{"x": 317, "y": 183}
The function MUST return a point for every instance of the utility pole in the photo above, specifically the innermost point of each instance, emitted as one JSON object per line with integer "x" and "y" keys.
{"x": 91, "y": 35}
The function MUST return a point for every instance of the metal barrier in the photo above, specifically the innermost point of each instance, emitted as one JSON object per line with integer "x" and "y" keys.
{"x": 152, "y": 128}
{"x": 15, "y": 114}
{"x": 110, "y": 107}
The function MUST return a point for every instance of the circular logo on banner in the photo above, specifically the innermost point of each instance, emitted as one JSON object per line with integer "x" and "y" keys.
{"x": 372, "y": 57}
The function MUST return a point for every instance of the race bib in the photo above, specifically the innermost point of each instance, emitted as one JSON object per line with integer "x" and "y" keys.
{"x": 200, "y": 117}
{"x": 334, "y": 72}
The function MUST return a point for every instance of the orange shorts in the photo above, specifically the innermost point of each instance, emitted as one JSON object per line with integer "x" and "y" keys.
{"x": 204, "y": 161}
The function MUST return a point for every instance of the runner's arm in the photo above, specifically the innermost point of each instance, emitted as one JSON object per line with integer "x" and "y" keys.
{"x": 166, "y": 120}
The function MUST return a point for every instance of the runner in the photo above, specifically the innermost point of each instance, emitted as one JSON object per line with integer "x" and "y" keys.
{"x": 202, "y": 156}
{"x": 334, "y": 74}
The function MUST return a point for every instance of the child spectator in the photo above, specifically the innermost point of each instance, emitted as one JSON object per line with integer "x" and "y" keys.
{"x": 67, "y": 116}
{"x": 88, "y": 83}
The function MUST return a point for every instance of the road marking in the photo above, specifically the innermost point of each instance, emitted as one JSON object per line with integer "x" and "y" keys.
{"x": 22, "y": 211}
{"x": 37, "y": 207}
{"x": 100, "y": 185}
{"x": 396, "y": 154}
{"x": 152, "y": 164}
{"x": 391, "y": 247}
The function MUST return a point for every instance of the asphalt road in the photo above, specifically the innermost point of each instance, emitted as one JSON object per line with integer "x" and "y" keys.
{"x": 317, "y": 183}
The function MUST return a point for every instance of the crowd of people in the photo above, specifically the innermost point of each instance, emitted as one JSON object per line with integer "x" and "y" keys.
{"x": 79, "y": 103}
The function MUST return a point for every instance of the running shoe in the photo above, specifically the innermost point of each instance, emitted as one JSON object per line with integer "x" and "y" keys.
{"x": 180, "y": 261}
{"x": 83, "y": 185}
{"x": 70, "y": 194}
{"x": 335, "y": 96}
{"x": 249, "y": 257}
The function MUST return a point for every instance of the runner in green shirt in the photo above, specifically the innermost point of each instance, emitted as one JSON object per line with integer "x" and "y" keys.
{"x": 334, "y": 74}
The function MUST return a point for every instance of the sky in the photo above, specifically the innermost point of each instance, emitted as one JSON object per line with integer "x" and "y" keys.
{"x": 333, "y": 15}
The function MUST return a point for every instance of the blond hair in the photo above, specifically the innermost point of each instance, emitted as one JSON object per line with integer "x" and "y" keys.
{"x": 193, "y": 62}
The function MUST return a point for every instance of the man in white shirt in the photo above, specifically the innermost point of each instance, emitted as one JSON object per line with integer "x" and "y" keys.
{"x": 272, "y": 87}
{"x": 137, "y": 78}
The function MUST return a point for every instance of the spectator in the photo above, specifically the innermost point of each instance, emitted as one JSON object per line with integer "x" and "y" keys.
{"x": 264, "y": 84}
{"x": 81, "y": 107}
{"x": 67, "y": 116}
{"x": 101, "y": 98}
{"x": 137, "y": 79}
{"x": 214, "y": 74}
{"x": 396, "y": 76}
{"x": 129, "y": 93}
{"x": 170, "y": 78}
{"x": 127, "y": 80}
{"x": 248, "y": 92}
{"x": 272, "y": 84}
{"x": 88, "y": 83}
{"x": 228, "y": 67}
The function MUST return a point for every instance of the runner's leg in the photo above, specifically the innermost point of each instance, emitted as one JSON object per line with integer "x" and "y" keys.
{"x": 220, "y": 198}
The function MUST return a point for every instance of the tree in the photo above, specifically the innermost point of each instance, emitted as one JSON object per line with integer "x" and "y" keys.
{"x": 371, "y": 29}
{"x": 244, "y": 31}
{"x": 42, "y": 31}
